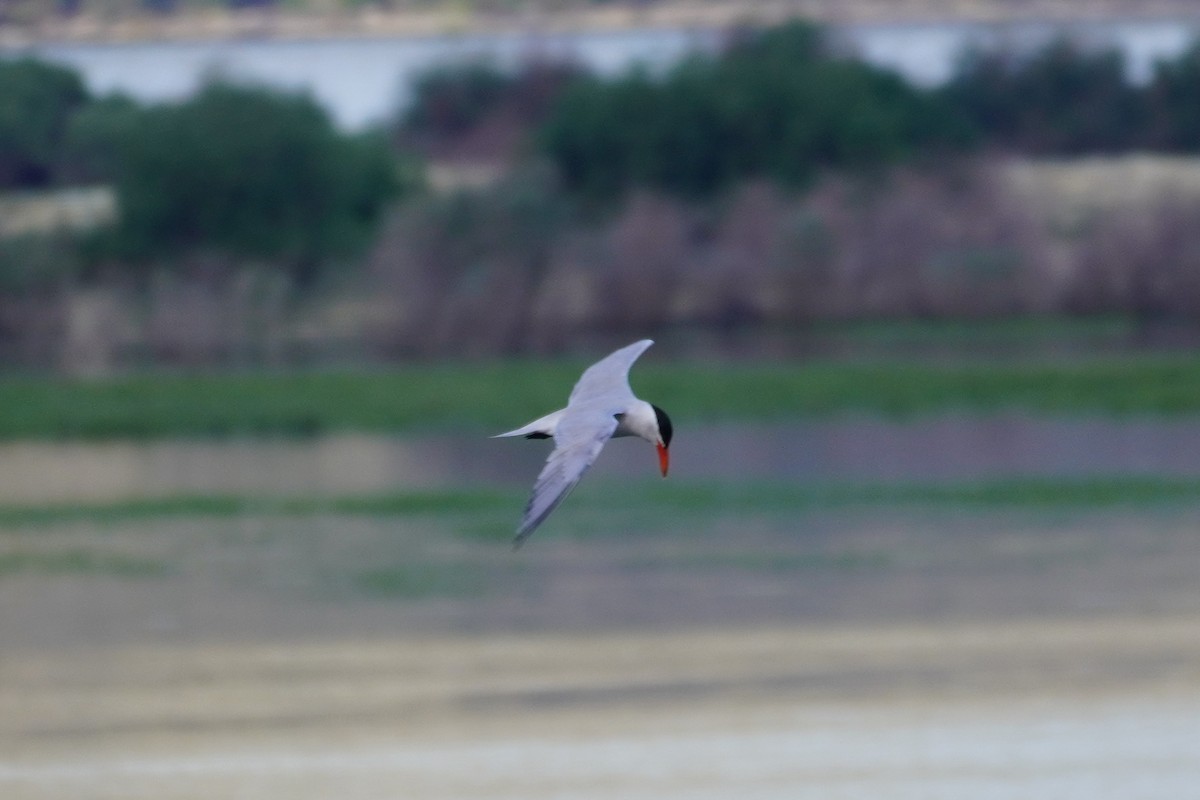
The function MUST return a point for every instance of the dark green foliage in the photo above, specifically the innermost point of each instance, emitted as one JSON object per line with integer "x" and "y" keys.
{"x": 95, "y": 139}
{"x": 1061, "y": 100}
{"x": 36, "y": 104}
{"x": 449, "y": 100}
{"x": 775, "y": 104}
{"x": 1174, "y": 101}
{"x": 450, "y": 103}
{"x": 253, "y": 172}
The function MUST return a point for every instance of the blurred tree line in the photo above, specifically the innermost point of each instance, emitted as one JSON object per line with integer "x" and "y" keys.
{"x": 241, "y": 177}
{"x": 251, "y": 171}
{"x": 264, "y": 173}
{"x": 783, "y": 182}
{"x": 779, "y": 104}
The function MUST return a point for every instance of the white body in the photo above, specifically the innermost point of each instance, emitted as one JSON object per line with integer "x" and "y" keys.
{"x": 600, "y": 407}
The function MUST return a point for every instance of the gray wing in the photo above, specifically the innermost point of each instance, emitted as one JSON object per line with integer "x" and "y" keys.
{"x": 578, "y": 442}
{"x": 609, "y": 377}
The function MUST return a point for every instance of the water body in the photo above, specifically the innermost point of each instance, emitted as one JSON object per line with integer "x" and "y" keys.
{"x": 366, "y": 80}
{"x": 850, "y": 450}
{"x": 360, "y": 81}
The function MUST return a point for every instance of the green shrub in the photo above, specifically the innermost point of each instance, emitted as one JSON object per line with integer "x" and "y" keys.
{"x": 1173, "y": 97}
{"x": 252, "y": 172}
{"x": 94, "y": 140}
{"x": 1060, "y": 100}
{"x": 36, "y": 104}
{"x": 777, "y": 104}
{"x": 452, "y": 102}
{"x": 449, "y": 100}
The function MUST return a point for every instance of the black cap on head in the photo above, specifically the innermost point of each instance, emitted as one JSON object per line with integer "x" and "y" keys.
{"x": 664, "y": 425}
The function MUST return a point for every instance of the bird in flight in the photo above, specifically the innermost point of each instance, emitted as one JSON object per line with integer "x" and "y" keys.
{"x": 601, "y": 406}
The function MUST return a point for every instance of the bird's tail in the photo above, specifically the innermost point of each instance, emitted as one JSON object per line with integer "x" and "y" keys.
{"x": 540, "y": 428}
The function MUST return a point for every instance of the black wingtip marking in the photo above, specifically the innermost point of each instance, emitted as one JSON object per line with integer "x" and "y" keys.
{"x": 537, "y": 435}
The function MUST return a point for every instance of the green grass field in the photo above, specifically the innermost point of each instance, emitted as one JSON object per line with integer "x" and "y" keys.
{"x": 487, "y": 397}
{"x": 490, "y": 511}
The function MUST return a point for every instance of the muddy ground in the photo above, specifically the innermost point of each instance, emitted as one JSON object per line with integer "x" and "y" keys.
{"x": 923, "y": 655}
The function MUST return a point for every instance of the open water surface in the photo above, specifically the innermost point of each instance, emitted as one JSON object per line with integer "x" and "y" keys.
{"x": 845, "y": 450}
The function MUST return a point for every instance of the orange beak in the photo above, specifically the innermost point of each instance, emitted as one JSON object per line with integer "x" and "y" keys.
{"x": 664, "y": 459}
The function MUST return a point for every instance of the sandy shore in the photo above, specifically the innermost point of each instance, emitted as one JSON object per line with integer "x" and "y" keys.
{"x": 919, "y": 654}
{"x": 1055, "y": 708}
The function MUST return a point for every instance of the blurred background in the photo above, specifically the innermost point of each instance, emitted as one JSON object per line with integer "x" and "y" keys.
{"x": 924, "y": 280}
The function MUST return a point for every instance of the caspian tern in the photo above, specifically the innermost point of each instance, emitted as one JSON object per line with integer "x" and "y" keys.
{"x": 601, "y": 406}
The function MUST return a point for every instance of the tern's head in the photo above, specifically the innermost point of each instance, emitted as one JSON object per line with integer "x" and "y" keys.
{"x": 665, "y": 431}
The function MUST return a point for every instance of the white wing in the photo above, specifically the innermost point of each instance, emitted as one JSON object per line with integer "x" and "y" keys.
{"x": 609, "y": 376}
{"x": 586, "y": 425}
{"x": 578, "y": 442}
